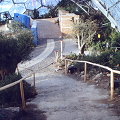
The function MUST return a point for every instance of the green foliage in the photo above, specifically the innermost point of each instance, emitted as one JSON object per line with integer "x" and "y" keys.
{"x": 108, "y": 35}
{"x": 71, "y": 56}
{"x": 115, "y": 60}
{"x": 85, "y": 28}
{"x": 16, "y": 27}
{"x": 53, "y": 11}
{"x": 117, "y": 91}
{"x": 69, "y": 6}
{"x": 6, "y": 15}
{"x": 12, "y": 96}
{"x": 15, "y": 48}
{"x": 36, "y": 14}
{"x": 79, "y": 66}
{"x": 108, "y": 58}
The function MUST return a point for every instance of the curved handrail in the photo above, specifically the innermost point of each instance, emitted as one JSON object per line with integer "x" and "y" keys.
{"x": 14, "y": 83}
{"x": 95, "y": 64}
{"x": 21, "y": 85}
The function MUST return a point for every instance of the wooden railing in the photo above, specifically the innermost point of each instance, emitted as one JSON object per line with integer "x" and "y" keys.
{"x": 21, "y": 86}
{"x": 66, "y": 71}
{"x": 94, "y": 64}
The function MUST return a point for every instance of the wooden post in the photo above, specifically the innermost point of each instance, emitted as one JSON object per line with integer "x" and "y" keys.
{"x": 66, "y": 69}
{"x": 17, "y": 70}
{"x": 61, "y": 49}
{"x": 34, "y": 83}
{"x": 85, "y": 71}
{"x": 22, "y": 95}
{"x": 22, "y": 91}
{"x": 56, "y": 55}
{"x": 112, "y": 85}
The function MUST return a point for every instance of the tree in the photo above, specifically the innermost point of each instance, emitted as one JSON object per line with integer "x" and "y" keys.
{"x": 14, "y": 48}
{"x": 36, "y": 14}
{"x": 84, "y": 31}
{"x": 6, "y": 15}
{"x": 1, "y": 1}
{"x": 52, "y": 10}
{"x": 69, "y": 6}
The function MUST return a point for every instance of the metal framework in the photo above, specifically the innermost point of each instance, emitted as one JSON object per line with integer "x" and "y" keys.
{"x": 110, "y": 8}
{"x": 21, "y": 6}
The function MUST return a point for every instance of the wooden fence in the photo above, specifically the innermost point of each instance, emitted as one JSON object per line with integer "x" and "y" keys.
{"x": 21, "y": 86}
{"x": 94, "y": 64}
{"x": 66, "y": 71}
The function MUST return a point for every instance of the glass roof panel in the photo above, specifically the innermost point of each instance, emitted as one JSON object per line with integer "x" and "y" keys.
{"x": 32, "y": 4}
{"x": 19, "y": 1}
{"x": 43, "y": 10}
{"x": 113, "y": 7}
{"x": 50, "y": 2}
{"x": 17, "y": 8}
{"x": 6, "y": 5}
{"x": 21, "y": 6}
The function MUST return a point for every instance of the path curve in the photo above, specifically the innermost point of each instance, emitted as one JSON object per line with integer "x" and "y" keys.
{"x": 61, "y": 97}
{"x": 39, "y": 58}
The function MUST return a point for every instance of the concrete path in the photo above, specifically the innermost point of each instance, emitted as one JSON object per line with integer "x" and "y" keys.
{"x": 61, "y": 97}
{"x": 70, "y": 47}
{"x": 47, "y": 31}
{"x": 48, "y": 50}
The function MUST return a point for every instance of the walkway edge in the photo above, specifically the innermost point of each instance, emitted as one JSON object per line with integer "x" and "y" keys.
{"x": 39, "y": 58}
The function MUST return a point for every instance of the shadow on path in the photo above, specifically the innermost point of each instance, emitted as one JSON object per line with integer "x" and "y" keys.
{"x": 31, "y": 112}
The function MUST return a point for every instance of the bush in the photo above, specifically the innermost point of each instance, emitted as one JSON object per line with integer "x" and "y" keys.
{"x": 108, "y": 58}
{"x": 115, "y": 60}
{"x": 12, "y": 96}
{"x": 71, "y": 56}
{"x": 79, "y": 66}
{"x": 102, "y": 59}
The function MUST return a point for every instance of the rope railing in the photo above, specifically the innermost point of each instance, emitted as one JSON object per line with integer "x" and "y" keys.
{"x": 14, "y": 83}
{"x": 98, "y": 65}
{"x": 66, "y": 71}
{"x": 21, "y": 85}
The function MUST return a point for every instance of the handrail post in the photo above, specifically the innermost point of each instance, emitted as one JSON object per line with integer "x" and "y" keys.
{"x": 34, "y": 83}
{"x": 22, "y": 91}
{"x": 61, "y": 49}
{"x": 85, "y": 71}
{"x": 22, "y": 94}
{"x": 56, "y": 55}
{"x": 112, "y": 85}
{"x": 66, "y": 69}
{"x": 17, "y": 70}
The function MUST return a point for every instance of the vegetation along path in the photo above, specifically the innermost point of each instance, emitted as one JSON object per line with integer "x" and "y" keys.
{"x": 61, "y": 97}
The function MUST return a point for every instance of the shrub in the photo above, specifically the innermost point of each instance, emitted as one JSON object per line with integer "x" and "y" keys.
{"x": 12, "y": 95}
{"x": 14, "y": 48}
{"x": 79, "y": 66}
{"x": 102, "y": 59}
{"x": 71, "y": 56}
{"x": 114, "y": 61}
{"x": 108, "y": 58}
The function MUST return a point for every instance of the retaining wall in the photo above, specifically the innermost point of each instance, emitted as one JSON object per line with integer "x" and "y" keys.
{"x": 66, "y": 21}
